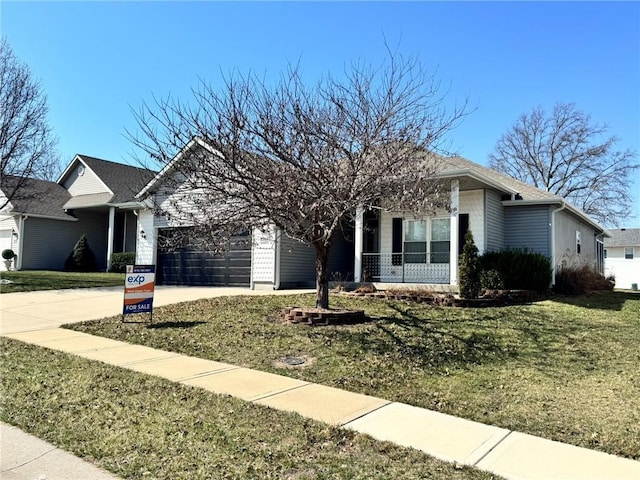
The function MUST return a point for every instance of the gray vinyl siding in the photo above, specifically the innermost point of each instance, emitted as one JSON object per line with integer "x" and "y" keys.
{"x": 528, "y": 227}
{"x": 494, "y": 218}
{"x": 565, "y": 242}
{"x": 47, "y": 243}
{"x": 297, "y": 264}
{"x": 84, "y": 184}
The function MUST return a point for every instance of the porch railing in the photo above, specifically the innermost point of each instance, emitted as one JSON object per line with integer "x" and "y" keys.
{"x": 405, "y": 267}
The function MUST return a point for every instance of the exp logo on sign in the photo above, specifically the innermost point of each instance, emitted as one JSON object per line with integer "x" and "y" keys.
{"x": 138, "y": 289}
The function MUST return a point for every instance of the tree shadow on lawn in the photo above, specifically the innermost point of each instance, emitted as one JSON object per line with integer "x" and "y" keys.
{"x": 409, "y": 338}
{"x": 437, "y": 343}
{"x": 599, "y": 300}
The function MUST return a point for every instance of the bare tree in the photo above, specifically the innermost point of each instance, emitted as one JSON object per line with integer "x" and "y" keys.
{"x": 298, "y": 157}
{"x": 565, "y": 153}
{"x": 27, "y": 145}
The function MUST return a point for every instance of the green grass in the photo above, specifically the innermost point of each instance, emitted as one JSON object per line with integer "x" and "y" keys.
{"x": 564, "y": 369}
{"x": 142, "y": 427}
{"x": 31, "y": 280}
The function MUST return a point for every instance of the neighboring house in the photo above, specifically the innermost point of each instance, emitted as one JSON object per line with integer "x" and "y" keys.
{"x": 42, "y": 223}
{"x": 384, "y": 247}
{"x": 622, "y": 257}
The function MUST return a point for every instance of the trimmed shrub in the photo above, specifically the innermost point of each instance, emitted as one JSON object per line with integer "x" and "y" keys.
{"x": 469, "y": 275}
{"x": 119, "y": 261}
{"x": 578, "y": 279}
{"x": 491, "y": 280}
{"x": 519, "y": 269}
{"x": 8, "y": 254}
{"x": 82, "y": 258}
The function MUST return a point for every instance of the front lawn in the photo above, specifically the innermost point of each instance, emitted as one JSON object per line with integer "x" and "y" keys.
{"x": 564, "y": 369}
{"x": 142, "y": 427}
{"x": 30, "y": 280}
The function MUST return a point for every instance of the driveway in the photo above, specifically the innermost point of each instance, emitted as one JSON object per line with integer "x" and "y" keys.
{"x": 26, "y": 311}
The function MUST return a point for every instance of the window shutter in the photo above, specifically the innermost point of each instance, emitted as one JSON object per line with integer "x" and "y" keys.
{"x": 396, "y": 241}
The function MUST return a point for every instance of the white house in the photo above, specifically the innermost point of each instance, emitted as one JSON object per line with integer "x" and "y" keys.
{"x": 384, "y": 246}
{"x": 622, "y": 257}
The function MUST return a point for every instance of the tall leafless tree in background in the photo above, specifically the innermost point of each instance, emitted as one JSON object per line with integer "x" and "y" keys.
{"x": 302, "y": 158}
{"x": 565, "y": 153}
{"x": 27, "y": 145}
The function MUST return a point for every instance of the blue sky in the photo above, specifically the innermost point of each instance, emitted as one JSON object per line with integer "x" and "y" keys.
{"x": 96, "y": 60}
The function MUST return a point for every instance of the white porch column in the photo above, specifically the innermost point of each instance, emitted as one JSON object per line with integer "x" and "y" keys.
{"x": 357, "y": 245}
{"x": 112, "y": 214}
{"x": 453, "y": 240}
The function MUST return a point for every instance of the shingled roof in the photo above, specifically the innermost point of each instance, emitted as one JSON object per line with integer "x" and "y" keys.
{"x": 623, "y": 237}
{"x": 38, "y": 198}
{"x": 125, "y": 181}
{"x": 526, "y": 191}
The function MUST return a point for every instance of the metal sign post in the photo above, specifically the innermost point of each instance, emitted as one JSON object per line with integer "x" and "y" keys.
{"x": 139, "y": 284}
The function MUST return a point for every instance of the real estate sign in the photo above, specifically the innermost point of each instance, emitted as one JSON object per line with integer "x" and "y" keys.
{"x": 139, "y": 283}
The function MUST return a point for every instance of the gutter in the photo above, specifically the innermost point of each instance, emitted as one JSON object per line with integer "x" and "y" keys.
{"x": 68, "y": 218}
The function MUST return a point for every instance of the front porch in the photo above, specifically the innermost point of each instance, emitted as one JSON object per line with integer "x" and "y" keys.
{"x": 405, "y": 248}
{"x": 405, "y": 268}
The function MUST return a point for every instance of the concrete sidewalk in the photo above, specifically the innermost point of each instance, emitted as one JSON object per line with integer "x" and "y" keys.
{"x": 25, "y": 457}
{"x": 510, "y": 454}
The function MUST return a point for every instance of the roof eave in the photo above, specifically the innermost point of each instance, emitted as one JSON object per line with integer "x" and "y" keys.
{"x": 68, "y": 218}
{"x": 465, "y": 172}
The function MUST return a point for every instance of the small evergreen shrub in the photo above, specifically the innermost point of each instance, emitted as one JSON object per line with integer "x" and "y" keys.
{"x": 491, "y": 280}
{"x": 119, "y": 261}
{"x": 82, "y": 258}
{"x": 8, "y": 254}
{"x": 469, "y": 275}
{"x": 578, "y": 279}
{"x": 519, "y": 269}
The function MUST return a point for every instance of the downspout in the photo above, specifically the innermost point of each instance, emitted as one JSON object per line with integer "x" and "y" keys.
{"x": 124, "y": 233}
{"x": 276, "y": 259}
{"x": 18, "y": 265}
{"x": 553, "y": 241}
{"x": 112, "y": 212}
{"x": 357, "y": 245}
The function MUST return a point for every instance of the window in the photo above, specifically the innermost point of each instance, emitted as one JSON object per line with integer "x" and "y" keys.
{"x": 605, "y": 253}
{"x": 440, "y": 240}
{"x": 415, "y": 241}
{"x": 628, "y": 253}
{"x": 578, "y": 242}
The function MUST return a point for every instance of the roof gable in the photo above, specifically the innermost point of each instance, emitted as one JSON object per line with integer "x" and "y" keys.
{"x": 120, "y": 181}
{"x": 125, "y": 181}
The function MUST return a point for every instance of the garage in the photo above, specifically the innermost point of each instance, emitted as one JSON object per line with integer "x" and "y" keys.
{"x": 195, "y": 266}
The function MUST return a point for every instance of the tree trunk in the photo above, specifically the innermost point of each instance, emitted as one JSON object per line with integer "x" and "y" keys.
{"x": 322, "y": 277}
